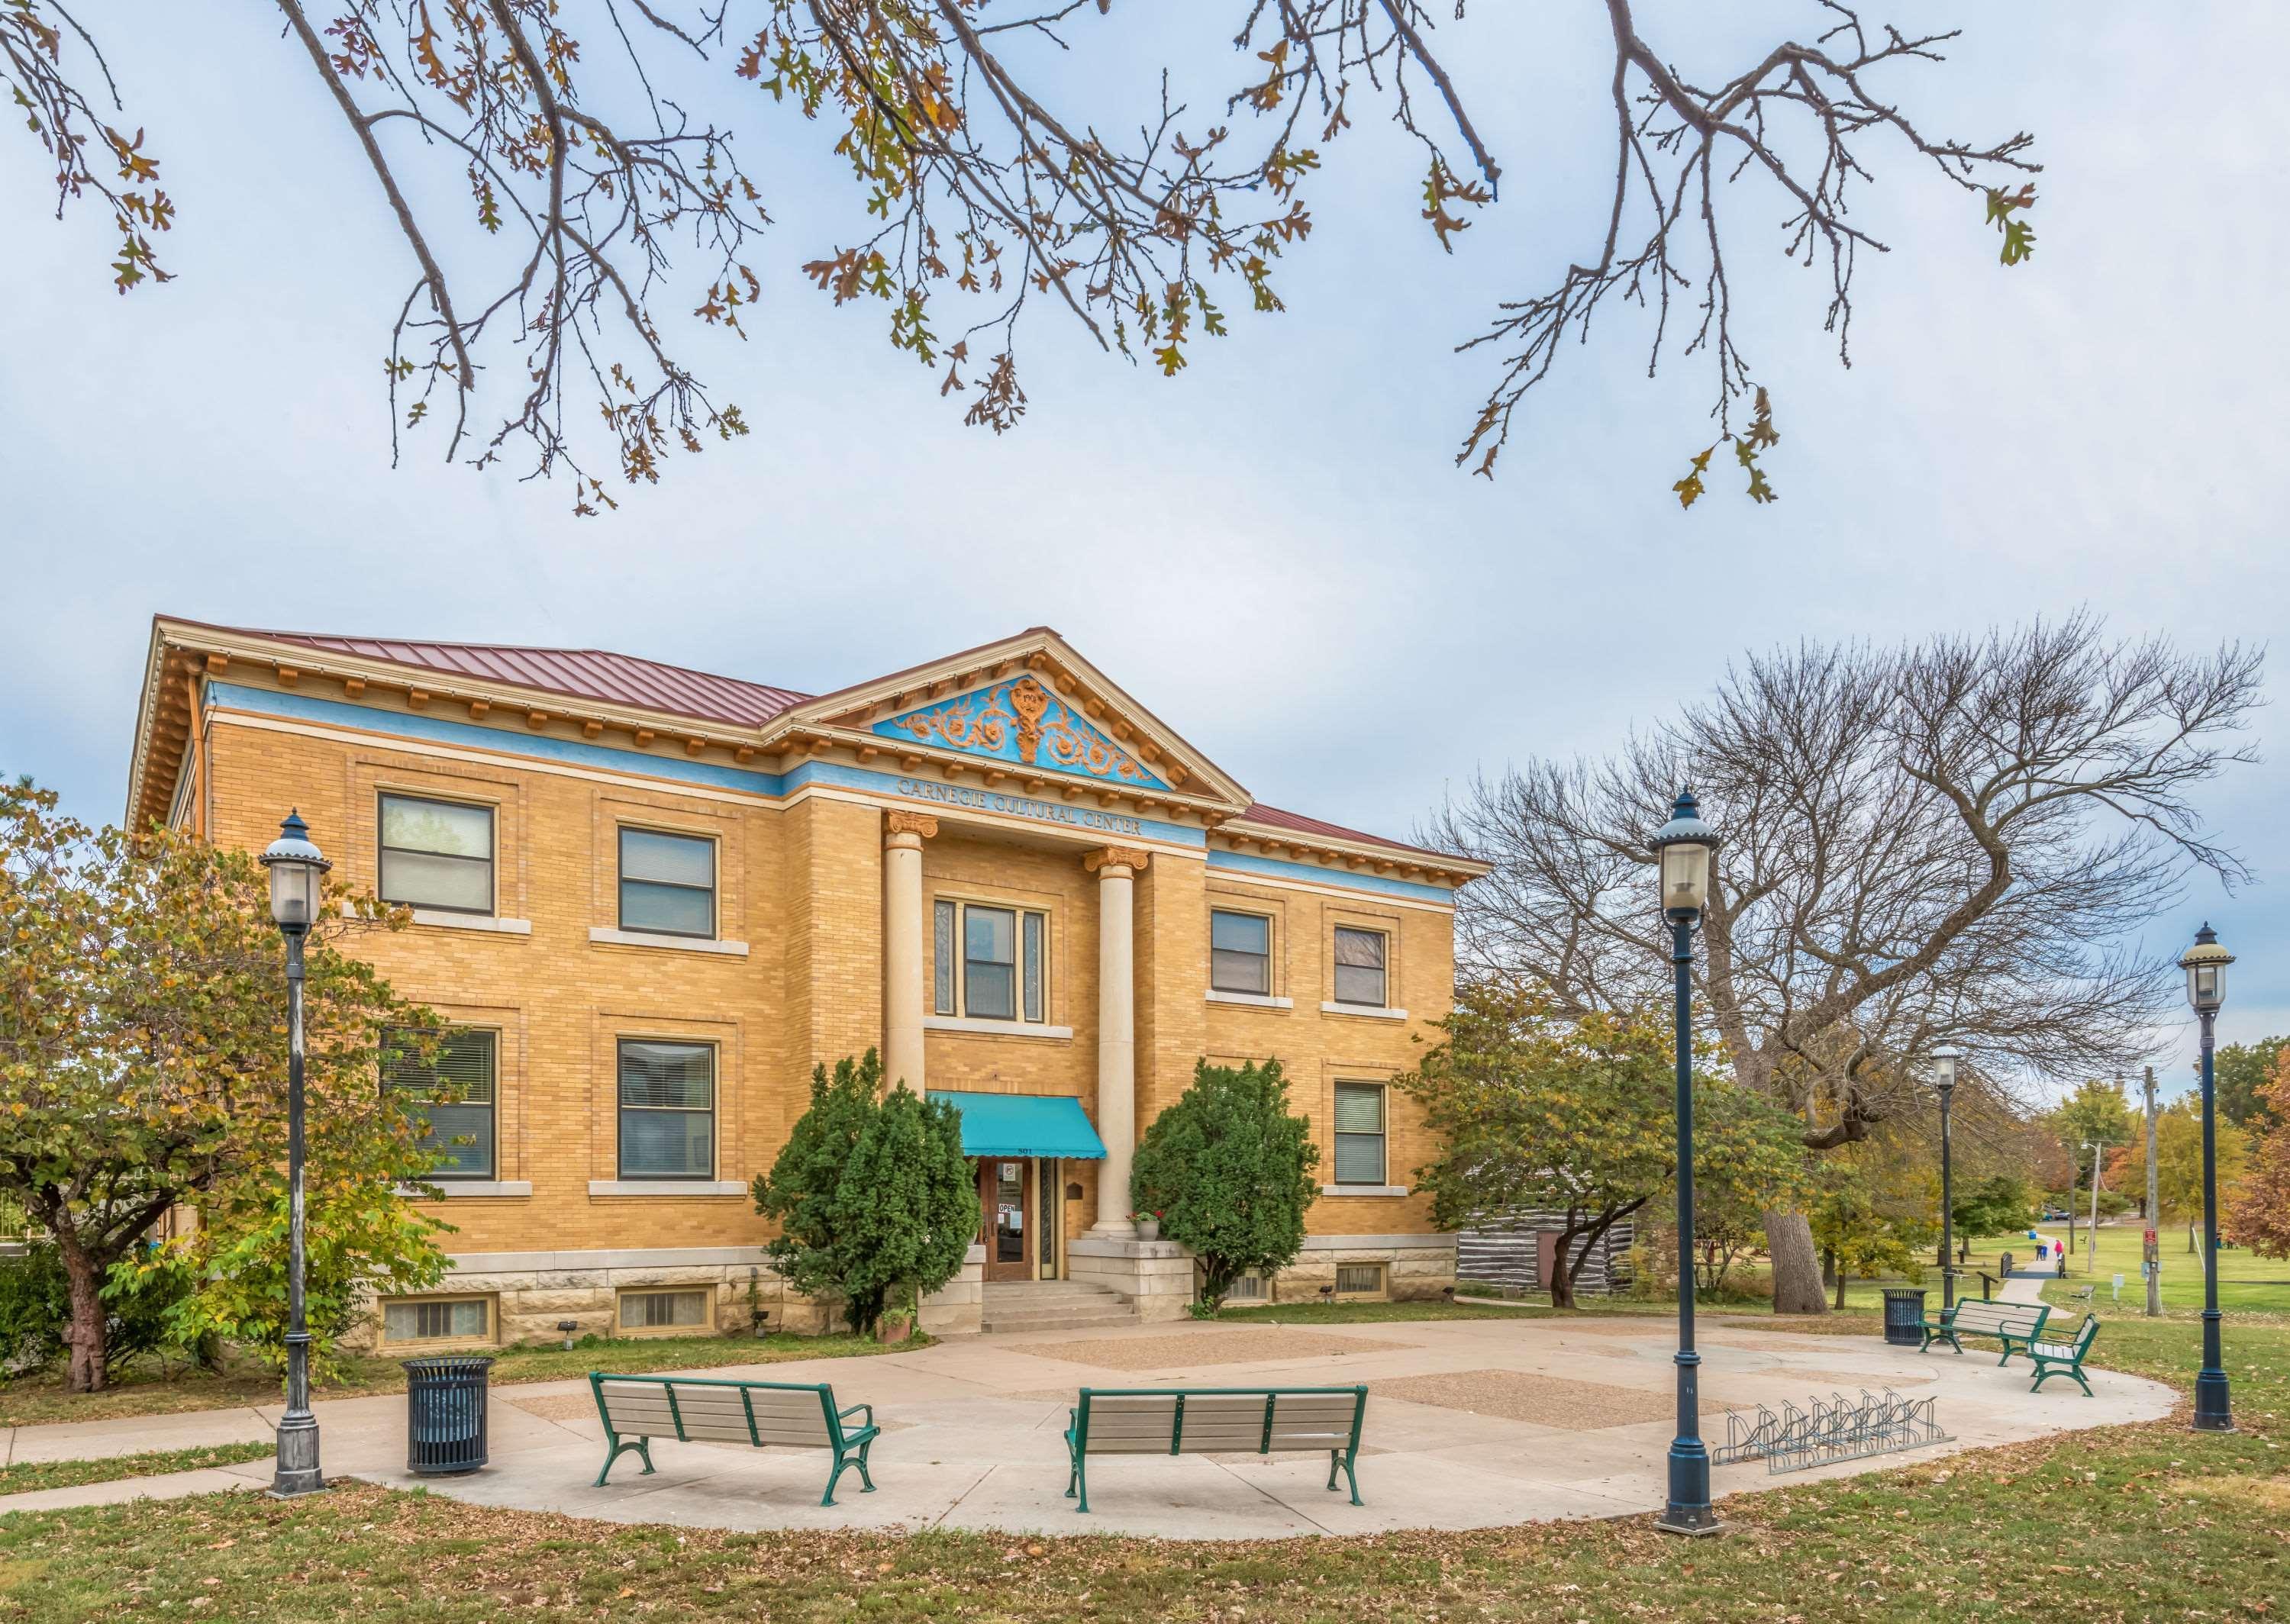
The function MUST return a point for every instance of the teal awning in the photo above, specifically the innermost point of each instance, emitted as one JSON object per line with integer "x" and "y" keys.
{"x": 1024, "y": 1125}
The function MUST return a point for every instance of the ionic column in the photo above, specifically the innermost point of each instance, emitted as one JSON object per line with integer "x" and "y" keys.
{"x": 1116, "y": 869}
{"x": 903, "y": 834}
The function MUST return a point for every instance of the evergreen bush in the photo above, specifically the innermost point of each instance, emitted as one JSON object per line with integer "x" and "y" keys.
{"x": 875, "y": 1202}
{"x": 1231, "y": 1173}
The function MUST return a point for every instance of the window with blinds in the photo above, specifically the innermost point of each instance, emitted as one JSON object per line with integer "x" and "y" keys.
{"x": 1359, "y": 1279}
{"x": 1359, "y": 1134}
{"x": 437, "y": 1319}
{"x": 667, "y": 882}
{"x": 1240, "y": 953}
{"x": 446, "y": 1080}
{"x": 1360, "y": 967}
{"x": 436, "y": 854}
{"x": 990, "y": 963}
{"x": 663, "y": 1310}
{"x": 667, "y": 1109}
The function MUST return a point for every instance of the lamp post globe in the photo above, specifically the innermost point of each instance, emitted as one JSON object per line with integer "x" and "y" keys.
{"x": 1682, "y": 848}
{"x": 1944, "y": 1062}
{"x": 2205, "y": 964}
{"x": 298, "y": 871}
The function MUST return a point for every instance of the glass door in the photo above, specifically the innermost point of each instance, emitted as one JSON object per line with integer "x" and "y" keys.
{"x": 1004, "y": 1196}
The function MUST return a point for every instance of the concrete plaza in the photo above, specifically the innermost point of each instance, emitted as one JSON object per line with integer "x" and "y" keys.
{"x": 1470, "y": 1423}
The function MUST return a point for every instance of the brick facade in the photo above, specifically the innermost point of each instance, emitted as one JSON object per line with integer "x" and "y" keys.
{"x": 795, "y": 972}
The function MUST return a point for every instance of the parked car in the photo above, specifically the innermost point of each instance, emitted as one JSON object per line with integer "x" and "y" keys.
{"x": 2055, "y": 1215}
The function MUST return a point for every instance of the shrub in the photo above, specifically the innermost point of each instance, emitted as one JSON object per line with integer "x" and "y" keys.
{"x": 875, "y": 1202}
{"x": 35, "y": 1307}
{"x": 1231, "y": 1173}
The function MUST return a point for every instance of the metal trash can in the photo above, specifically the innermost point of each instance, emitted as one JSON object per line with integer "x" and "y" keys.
{"x": 1905, "y": 1315}
{"x": 446, "y": 1414}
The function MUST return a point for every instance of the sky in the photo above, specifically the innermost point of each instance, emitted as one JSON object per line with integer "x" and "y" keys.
{"x": 1275, "y": 550}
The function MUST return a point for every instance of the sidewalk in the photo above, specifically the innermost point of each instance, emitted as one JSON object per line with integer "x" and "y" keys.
{"x": 1472, "y": 1423}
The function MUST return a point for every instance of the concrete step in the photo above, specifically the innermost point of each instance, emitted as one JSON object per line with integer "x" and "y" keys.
{"x": 1047, "y": 1290}
{"x": 1051, "y": 1319}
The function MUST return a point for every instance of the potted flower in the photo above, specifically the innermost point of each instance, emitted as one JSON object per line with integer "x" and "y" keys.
{"x": 1149, "y": 1225}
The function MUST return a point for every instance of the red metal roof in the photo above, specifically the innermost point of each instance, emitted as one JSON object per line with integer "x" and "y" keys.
{"x": 588, "y": 673}
{"x": 1260, "y": 812}
{"x": 649, "y": 684}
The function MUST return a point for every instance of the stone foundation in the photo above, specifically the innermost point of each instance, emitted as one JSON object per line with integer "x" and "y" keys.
{"x": 1416, "y": 1267}
{"x": 1157, "y": 1275}
{"x": 956, "y": 1306}
{"x": 533, "y": 1291}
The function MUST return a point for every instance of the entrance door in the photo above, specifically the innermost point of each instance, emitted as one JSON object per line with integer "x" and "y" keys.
{"x": 1005, "y": 1203}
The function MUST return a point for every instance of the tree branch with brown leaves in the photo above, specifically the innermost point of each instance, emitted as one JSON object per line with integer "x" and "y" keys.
{"x": 1799, "y": 117}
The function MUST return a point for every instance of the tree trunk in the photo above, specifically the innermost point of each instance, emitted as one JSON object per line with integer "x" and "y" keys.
{"x": 85, "y": 1335}
{"x": 1829, "y": 1267}
{"x": 1840, "y": 1288}
{"x": 1796, "y": 1266}
{"x": 1562, "y": 1278}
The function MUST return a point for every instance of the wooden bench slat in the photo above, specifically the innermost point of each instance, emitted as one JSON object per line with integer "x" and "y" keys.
{"x": 1227, "y": 1420}
{"x": 711, "y": 1411}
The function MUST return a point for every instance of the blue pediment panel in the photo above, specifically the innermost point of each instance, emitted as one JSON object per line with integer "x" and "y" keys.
{"x": 1023, "y": 723}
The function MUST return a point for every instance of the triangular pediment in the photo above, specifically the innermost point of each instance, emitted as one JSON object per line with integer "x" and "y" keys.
{"x": 1033, "y": 705}
{"x": 1021, "y": 720}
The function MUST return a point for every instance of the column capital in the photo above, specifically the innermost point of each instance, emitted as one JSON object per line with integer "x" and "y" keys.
{"x": 1131, "y": 857}
{"x": 897, "y": 823}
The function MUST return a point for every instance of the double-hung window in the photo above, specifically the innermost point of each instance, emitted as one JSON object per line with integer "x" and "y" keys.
{"x": 667, "y": 1109}
{"x": 989, "y": 962}
{"x": 667, "y": 882}
{"x": 446, "y": 1080}
{"x": 1359, "y": 1134}
{"x": 1360, "y": 962}
{"x": 1240, "y": 953}
{"x": 436, "y": 854}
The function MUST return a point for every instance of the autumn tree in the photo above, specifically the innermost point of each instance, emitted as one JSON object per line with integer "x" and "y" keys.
{"x": 1533, "y": 1108}
{"x": 1873, "y": 1214}
{"x": 2258, "y": 1214}
{"x": 2179, "y": 1164}
{"x": 576, "y": 186}
{"x": 1953, "y": 840}
{"x": 2239, "y": 1076}
{"x": 143, "y": 1065}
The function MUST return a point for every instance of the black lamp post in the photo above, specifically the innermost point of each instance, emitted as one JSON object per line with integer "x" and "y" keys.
{"x": 1684, "y": 845}
{"x": 1944, "y": 1064}
{"x": 2205, "y": 964}
{"x": 297, "y": 876}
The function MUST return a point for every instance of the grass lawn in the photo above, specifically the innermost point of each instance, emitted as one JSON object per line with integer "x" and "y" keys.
{"x": 2247, "y": 1283}
{"x": 147, "y": 1389}
{"x": 25, "y": 1475}
{"x": 2135, "y": 1524}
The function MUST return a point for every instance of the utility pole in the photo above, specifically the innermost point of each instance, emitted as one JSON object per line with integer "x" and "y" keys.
{"x": 2151, "y": 1251}
{"x": 2091, "y": 1252}
{"x": 2075, "y": 1175}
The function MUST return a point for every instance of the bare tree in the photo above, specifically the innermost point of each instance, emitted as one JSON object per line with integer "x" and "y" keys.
{"x": 594, "y": 199}
{"x": 1956, "y": 840}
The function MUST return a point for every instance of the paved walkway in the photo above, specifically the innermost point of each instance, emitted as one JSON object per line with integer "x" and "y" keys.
{"x": 1471, "y": 1423}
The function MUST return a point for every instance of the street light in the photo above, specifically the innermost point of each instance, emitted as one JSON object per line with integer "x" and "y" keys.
{"x": 1944, "y": 1060}
{"x": 2205, "y": 964}
{"x": 298, "y": 871}
{"x": 1683, "y": 846}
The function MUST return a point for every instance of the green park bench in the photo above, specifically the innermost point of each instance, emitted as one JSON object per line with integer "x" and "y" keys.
{"x": 1215, "y": 1420}
{"x": 2064, "y": 1358}
{"x": 763, "y": 1415}
{"x": 2014, "y": 1324}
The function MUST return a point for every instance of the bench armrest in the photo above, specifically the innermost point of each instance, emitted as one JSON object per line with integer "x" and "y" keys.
{"x": 845, "y": 1415}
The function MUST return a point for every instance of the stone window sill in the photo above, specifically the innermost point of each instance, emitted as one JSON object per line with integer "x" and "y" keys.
{"x": 1255, "y": 1001}
{"x": 465, "y": 1190}
{"x": 995, "y": 1028}
{"x": 1363, "y": 1189}
{"x": 671, "y": 1188}
{"x": 674, "y": 944}
{"x": 473, "y": 922}
{"x": 1368, "y": 1011}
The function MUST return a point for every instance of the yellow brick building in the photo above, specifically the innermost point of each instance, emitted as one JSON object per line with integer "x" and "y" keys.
{"x": 649, "y": 899}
